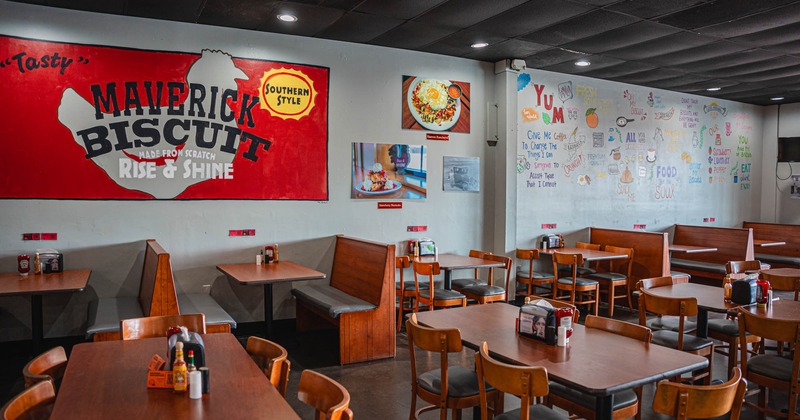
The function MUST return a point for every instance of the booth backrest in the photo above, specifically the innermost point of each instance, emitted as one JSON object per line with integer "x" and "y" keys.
{"x": 157, "y": 294}
{"x": 650, "y": 250}
{"x": 733, "y": 244}
{"x": 364, "y": 269}
{"x": 777, "y": 232}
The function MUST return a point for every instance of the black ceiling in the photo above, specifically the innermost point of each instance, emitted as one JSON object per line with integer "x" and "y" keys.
{"x": 748, "y": 48}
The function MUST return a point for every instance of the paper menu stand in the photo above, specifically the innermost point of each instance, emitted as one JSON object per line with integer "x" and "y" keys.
{"x": 538, "y": 320}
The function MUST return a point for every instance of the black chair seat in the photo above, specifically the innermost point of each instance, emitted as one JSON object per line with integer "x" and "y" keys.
{"x": 483, "y": 290}
{"x": 441, "y": 294}
{"x": 525, "y": 274}
{"x": 580, "y": 281}
{"x": 537, "y": 411}
{"x": 462, "y": 382}
{"x": 462, "y": 283}
{"x": 773, "y": 366}
{"x": 609, "y": 276}
{"x": 671, "y": 323}
{"x": 582, "y": 271}
{"x": 669, "y": 339}
{"x": 621, "y": 398}
{"x": 409, "y": 285}
{"x": 724, "y": 326}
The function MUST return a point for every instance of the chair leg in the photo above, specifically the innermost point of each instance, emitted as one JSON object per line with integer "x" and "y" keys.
{"x": 611, "y": 299}
{"x": 597, "y": 300}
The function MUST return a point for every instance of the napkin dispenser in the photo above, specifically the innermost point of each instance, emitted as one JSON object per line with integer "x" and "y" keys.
{"x": 552, "y": 240}
{"x": 744, "y": 291}
{"x": 537, "y": 321}
{"x": 191, "y": 341}
{"x": 426, "y": 247}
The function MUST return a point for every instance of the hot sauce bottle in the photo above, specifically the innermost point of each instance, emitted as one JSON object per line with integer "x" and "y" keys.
{"x": 179, "y": 369}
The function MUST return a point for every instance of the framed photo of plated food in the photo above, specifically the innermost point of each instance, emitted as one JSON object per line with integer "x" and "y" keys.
{"x": 389, "y": 171}
{"x": 435, "y": 104}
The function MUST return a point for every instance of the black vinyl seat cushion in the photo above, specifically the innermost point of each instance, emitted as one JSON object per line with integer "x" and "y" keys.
{"x": 525, "y": 274}
{"x": 483, "y": 290}
{"x": 621, "y": 399}
{"x": 770, "y": 365}
{"x": 724, "y": 326}
{"x": 669, "y": 339}
{"x": 582, "y": 271}
{"x": 671, "y": 323}
{"x": 579, "y": 281}
{"x": 537, "y": 411}
{"x": 462, "y": 382}
{"x": 609, "y": 276}
{"x": 441, "y": 294}
{"x": 462, "y": 283}
{"x": 409, "y": 285}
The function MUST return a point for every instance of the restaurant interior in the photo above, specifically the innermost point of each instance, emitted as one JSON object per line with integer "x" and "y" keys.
{"x": 600, "y": 199}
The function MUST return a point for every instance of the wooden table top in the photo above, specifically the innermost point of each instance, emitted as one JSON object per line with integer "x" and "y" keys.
{"x": 455, "y": 262}
{"x": 595, "y": 361}
{"x": 779, "y": 309}
{"x": 588, "y": 254}
{"x": 788, "y": 272}
{"x": 691, "y": 249}
{"x": 767, "y": 242}
{"x": 108, "y": 379}
{"x": 36, "y": 284}
{"x": 710, "y": 298}
{"x": 283, "y": 271}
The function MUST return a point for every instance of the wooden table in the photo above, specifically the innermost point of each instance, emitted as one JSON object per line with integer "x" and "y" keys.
{"x": 596, "y": 362}
{"x": 267, "y": 275}
{"x": 108, "y": 379}
{"x": 588, "y": 254}
{"x": 691, "y": 249}
{"x": 767, "y": 242}
{"x": 37, "y": 285}
{"x": 778, "y": 309}
{"x": 450, "y": 262}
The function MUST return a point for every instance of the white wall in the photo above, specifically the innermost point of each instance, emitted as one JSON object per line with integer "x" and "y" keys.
{"x": 776, "y": 206}
{"x": 364, "y": 106}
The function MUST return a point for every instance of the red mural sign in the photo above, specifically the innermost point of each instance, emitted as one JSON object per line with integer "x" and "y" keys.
{"x": 98, "y": 122}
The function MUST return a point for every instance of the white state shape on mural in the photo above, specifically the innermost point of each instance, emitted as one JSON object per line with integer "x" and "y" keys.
{"x": 213, "y": 68}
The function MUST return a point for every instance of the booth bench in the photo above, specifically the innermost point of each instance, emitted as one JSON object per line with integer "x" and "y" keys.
{"x": 732, "y": 244}
{"x": 156, "y": 297}
{"x": 359, "y": 301}
{"x": 787, "y": 255}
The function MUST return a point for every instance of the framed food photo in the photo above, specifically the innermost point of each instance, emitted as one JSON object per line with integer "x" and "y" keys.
{"x": 435, "y": 104}
{"x": 383, "y": 171}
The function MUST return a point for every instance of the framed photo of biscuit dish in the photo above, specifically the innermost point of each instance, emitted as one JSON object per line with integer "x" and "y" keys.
{"x": 384, "y": 171}
{"x": 435, "y": 104}
{"x": 461, "y": 173}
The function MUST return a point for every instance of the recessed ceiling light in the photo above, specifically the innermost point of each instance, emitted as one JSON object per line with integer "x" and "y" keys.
{"x": 287, "y": 18}
{"x": 583, "y": 63}
{"x": 713, "y": 89}
{"x": 777, "y": 98}
{"x": 479, "y": 45}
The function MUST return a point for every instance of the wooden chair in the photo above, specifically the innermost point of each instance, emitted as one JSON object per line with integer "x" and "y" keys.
{"x": 771, "y": 371}
{"x": 329, "y": 398}
{"x": 48, "y": 366}
{"x": 156, "y": 326}
{"x": 488, "y": 293}
{"x": 660, "y": 322}
{"x": 781, "y": 283}
{"x": 461, "y": 282}
{"x": 405, "y": 291}
{"x": 582, "y": 270}
{"x": 683, "y": 401}
{"x": 527, "y": 279}
{"x": 35, "y": 402}
{"x": 626, "y": 403}
{"x": 616, "y": 274}
{"x": 738, "y": 267}
{"x": 273, "y": 359}
{"x": 526, "y": 382}
{"x": 447, "y": 387}
{"x": 427, "y": 294}
{"x": 582, "y": 291}
{"x": 679, "y": 340}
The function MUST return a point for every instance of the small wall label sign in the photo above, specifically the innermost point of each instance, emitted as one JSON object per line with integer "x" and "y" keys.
{"x": 548, "y": 225}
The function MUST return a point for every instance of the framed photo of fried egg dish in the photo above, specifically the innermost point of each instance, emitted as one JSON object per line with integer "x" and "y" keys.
{"x": 436, "y": 104}
{"x": 389, "y": 171}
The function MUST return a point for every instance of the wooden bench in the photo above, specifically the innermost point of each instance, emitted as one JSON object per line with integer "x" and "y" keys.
{"x": 733, "y": 244}
{"x": 359, "y": 301}
{"x": 650, "y": 251}
{"x": 157, "y": 296}
{"x": 777, "y": 256}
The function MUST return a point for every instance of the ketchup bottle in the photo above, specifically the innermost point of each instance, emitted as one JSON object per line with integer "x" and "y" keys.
{"x": 24, "y": 264}
{"x": 564, "y": 319}
{"x": 762, "y": 291}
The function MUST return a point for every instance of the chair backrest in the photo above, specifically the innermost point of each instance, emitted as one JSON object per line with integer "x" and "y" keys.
{"x": 697, "y": 401}
{"x": 527, "y": 255}
{"x": 526, "y": 382}
{"x": 565, "y": 258}
{"x": 781, "y": 330}
{"x": 475, "y": 253}
{"x": 35, "y": 402}
{"x": 426, "y": 269}
{"x": 48, "y": 366}
{"x": 401, "y": 263}
{"x": 782, "y": 283}
{"x": 620, "y": 265}
{"x": 557, "y": 303}
{"x": 434, "y": 340}
{"x": 156, "y": 326}
{"x": 627, "y": 329}
{"x": 329, "y": 398}
{"x": 652, "y": 282}
{"x": 737, "y": 267}
{"x": 660, "y": 305}
{"x": 273, "y": 359}
{"x": 507, "y": 263}
{"x": 586, "y": 245}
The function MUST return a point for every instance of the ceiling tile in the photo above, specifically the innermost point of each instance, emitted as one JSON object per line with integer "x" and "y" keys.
{"x": 755, "y": 23}
{"x": 717, "y": 12}
{"x": 661, "y": 46}
{"x": 622, "y": 37}
{"x": 465, "y": 13}
{"x": 512, "y": 48}
{"x": 620, "y": 70}
{"x": 550, "y": 57}
{"x": 705, "y": 52}
{"x": 412, "y": 35}
{"x": 771, "y": 36}
{"x": 98, "y": 6}
{"x": 178, "y": 10}
{"x": 647, "y": 9}
{"x": 245, "y": 14}
{"x": 590, "y": 24}
{"x": 369, "y": 27}
{"x": 786, "y": 48}
{"x": 599, "y": 62}
{"x": 644, "y": 77}
{"x": 735, "y": 59}
{"x": 530, "y": 17}
{"x": 310, "y": 19}
{"x": 744, "y": 72}
{"x": 406, "y": 9}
